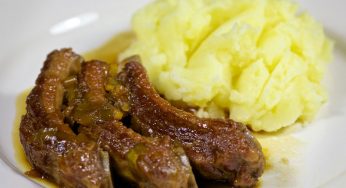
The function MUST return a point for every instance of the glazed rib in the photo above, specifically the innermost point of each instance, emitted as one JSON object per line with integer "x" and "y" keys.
{"x": 147, "y": 162}
{"x": 217, "y": 149}
{"x": 50, "y": 145}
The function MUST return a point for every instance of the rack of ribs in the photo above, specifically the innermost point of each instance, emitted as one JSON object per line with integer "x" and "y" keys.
{"x": 70, "y": 131}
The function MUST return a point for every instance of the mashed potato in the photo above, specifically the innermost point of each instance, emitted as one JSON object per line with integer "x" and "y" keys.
{"x": 259, "y": 60}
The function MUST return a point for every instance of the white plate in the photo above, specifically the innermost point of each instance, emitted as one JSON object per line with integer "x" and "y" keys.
{"x": 31, "y": 29}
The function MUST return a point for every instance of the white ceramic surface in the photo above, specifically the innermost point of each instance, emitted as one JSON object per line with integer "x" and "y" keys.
{"x": 31, "y": 29}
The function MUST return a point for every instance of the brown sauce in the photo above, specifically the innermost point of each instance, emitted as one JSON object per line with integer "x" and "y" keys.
{"x": 34, "y": 174}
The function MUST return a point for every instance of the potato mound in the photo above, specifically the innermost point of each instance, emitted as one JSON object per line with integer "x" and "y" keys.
{"x": 259, "y": 61}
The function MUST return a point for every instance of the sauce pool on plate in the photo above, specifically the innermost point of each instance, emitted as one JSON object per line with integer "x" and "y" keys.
{"x": 23, "y": 164}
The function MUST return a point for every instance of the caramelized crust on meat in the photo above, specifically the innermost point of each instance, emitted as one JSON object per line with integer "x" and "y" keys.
{"x": 148, "y": 162}
{"x": 50, "y": 145}
{"x": 73, "y": 124}
{"x": 217, "y": 149}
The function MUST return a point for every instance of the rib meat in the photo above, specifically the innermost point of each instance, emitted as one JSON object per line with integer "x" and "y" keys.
{"x": 50, "y": 145}
{"x": 148, "y": 162}
{"x": 217, "y": 149}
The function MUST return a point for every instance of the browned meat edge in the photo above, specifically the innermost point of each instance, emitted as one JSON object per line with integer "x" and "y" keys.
{"x": 147, "y": 162}
{"x": 50, "y": 145}
{"x": 218, "y": 149}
